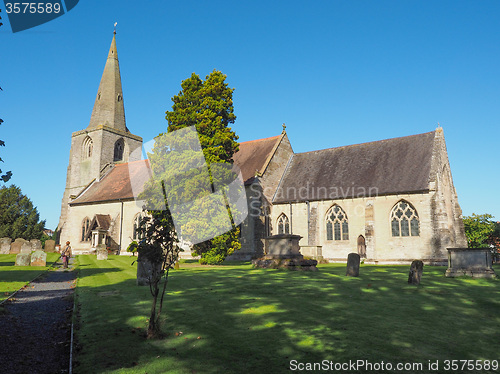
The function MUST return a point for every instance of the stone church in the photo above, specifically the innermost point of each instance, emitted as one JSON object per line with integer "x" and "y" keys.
{"x": 391, "y": 201}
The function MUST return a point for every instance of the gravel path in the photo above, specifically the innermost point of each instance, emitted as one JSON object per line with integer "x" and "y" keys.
{"x": 35, "y": 326}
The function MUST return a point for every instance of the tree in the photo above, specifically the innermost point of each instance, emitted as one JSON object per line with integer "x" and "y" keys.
{"x": 494, "y": 241}
{"x": 478, "y": 229}
{"x": 208, "y": 105}
{"x": 4, "y": 177}
{"x": 159, "y": 248}
{"x": 18, "y": 217}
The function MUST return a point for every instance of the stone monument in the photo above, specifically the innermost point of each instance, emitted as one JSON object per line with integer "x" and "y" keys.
{"x": 353, "y": 260}
{"x": 36, "y": 245}
{"x": 416, "y": 270}
{"x": 283, "y": 251}
{"x": 145, "y": 270}
{"x": 50, "y": 245}
{"x": 5, "y": 246}
{"x": 15, "y": 247}
{"x": 39, "y": 258}
{"x": 23, "y": 259}
{"x": 102, "y": 252}
{"x": 471, "y": 262}
{"x": 25, "y": 246}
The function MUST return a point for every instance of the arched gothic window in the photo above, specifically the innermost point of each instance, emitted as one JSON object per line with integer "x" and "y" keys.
{"x": 337, "y": 224}
{"x": 119, "y": 146}
{"x": 85, "y": 229}
{"x": 404, "y": 220}
{"x": 87, "y": 147}
{"x": 283, "y": 224}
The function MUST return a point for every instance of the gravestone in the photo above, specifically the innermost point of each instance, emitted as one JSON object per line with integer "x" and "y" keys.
{"x": 353, "y": 260}
{"x": 102, "y": 252}
{"x": 15, "y": 247}
{"x": 36, "y": 245}
{"x": 470, "y": 262}
{"x": 25, "y": 246}
{"x": 416, "y": 270}
{"x": 144, "y": 270}
{"x": 50, "y": 245}
{"x": 5, "y": 246}
{"x": 23, "y": 259}
{"x": 39, "y": 258}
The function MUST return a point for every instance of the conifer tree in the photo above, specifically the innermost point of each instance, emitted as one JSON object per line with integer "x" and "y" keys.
{"x": 208, "y": 105}
{"x": 18, "y": 217}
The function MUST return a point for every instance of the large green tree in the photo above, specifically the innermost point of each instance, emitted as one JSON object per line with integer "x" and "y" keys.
{"x": 18, "y": 217}
{"x": 478, "y": 229}
{"x": 208, "y": 105}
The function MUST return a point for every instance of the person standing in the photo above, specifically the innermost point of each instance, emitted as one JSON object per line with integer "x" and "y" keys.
{"x": 66, "y": 254}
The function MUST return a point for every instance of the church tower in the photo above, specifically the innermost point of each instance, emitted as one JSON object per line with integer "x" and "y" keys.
{"x": 105, "y": 142}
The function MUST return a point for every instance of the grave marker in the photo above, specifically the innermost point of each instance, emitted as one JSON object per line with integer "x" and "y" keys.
{"x": 5, "y": 246}
{"x": 39, "y": 258}
{"x": 416, "y": 270}
{"x": 353, "y": 260}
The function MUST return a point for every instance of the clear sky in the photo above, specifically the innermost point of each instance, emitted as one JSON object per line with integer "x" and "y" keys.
{"x": 336, "y": 72}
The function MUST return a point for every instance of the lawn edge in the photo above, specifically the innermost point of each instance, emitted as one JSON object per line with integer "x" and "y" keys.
{"x": 29, "y": 282}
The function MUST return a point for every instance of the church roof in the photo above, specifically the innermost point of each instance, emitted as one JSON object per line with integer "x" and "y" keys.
{"x": 391, "y": 166}
{"x": 108, "y": 106}
{"x": 127, "y": 180}
{"x": 101, "y": 221}
{"x": 124, "y": 182}
{"x": 253, "y": 156}
{"x": 399, "y": 165}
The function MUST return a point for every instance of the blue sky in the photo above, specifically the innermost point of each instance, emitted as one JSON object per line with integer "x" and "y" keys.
{"x": 336, "y": 72}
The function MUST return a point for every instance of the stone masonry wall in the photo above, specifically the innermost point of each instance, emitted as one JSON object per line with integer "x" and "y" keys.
{"x": 73, "y": 227}
{"x": 369, "y": 217}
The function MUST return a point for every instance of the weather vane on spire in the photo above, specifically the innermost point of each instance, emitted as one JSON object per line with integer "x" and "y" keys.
{"x": 114, "y": 32}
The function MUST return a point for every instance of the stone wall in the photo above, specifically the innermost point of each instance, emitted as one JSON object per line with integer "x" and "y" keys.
{"x": 369, "y": 217}
{"x": 82, "y": 169}
{"x": 123, "y": 229}
{"x": 259, "y": 196}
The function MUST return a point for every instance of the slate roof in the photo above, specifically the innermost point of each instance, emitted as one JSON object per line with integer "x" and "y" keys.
{"x": 399, "y": 165}
{"x": 253, "y": 156}
{"x": 121, "y": 183}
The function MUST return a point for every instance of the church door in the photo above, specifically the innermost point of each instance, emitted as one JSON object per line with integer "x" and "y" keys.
{"x": 361, "y": 246}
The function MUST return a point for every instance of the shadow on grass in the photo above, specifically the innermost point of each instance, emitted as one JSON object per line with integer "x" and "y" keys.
{"x": 235, "y": 319}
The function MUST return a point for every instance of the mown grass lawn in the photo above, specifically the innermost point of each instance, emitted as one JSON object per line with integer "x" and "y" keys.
{"x": 235, "y": 319}
{"x": 14, "y": 277}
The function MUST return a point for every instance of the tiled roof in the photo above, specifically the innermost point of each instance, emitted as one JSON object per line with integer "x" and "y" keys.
{"x": 101, "y": 221}
{"x": 117, "y": 184}
{"x": 121, "y": 183}
{"x": 399, "y": 165}
{"x": 253, "y": 155}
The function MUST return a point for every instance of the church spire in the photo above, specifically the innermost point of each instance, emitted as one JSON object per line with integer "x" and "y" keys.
{"x": 108, "y": 107}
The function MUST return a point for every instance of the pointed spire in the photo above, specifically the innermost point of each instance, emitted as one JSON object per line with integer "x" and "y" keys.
{"x": 108, "y": 107}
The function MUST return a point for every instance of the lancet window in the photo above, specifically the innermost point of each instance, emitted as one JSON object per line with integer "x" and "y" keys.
{"x": 337, "y": 224}
{"x": 404, "y": 220}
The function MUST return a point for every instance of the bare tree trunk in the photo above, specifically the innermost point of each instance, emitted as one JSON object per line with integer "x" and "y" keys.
{"x": 153, "y": 323}
{"x": 163, "y": 294}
